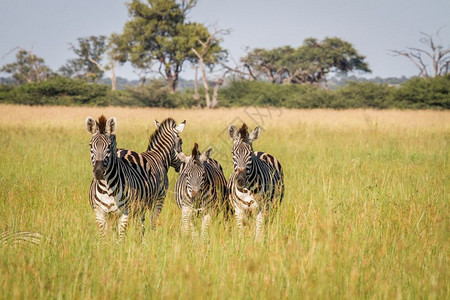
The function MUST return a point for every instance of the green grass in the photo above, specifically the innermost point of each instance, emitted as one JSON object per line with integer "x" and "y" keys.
{"x": 365, "y": 213}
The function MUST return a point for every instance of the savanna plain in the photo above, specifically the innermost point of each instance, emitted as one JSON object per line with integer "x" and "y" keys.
{"x": 365, "y": 214}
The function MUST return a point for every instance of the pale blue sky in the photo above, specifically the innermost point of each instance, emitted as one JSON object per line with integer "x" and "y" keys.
{"x": 373, "y": 27}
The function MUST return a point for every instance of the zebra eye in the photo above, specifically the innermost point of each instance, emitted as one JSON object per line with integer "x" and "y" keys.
{"x": 105, "y": 162}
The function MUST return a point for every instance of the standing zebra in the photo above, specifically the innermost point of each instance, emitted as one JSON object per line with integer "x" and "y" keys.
{"x": 256, "y": 185}
{"x": 201, "y": 187}
{"x": 120, "y": 185}
{"x": 160, "y": 156}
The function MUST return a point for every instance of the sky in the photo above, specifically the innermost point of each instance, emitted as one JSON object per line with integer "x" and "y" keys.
{"x": 373, "y": 27}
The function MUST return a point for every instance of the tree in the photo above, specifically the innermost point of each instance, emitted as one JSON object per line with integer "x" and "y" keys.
{"x": 159, "y": 34}
{"x": 112, "y": 59}
{"x": 438, "y": 56}
{"x": 210, "y": 54}
{"x": 28, "y": 67}
{"x": 90, "y": 53}
{"x": 268, "y": 63}
{"x": 310, "y": 63}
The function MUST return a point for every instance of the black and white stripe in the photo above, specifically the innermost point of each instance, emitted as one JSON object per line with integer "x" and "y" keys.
{"x": 120, "y": 185}
{"x": 200, "y": 188}
{"x": 160, "y": 156}
{"x": 256, "y": 184}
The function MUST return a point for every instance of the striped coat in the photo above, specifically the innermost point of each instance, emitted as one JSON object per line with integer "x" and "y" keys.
{"x": 256, "y": 184}
{"x": 200, "y": 188}
{"x": 160, "y": 156}
{"x": 120, "y": 186}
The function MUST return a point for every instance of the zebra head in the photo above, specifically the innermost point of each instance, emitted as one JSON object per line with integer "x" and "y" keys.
{"x": 194, "y": 170}
{"x": 103, "y": 144}
{"x": 166, "y": 137}
{"x": 242, "y": 152}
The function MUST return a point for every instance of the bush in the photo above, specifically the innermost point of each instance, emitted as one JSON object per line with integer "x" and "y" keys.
{"x": 57, "y": 91}
{"x": 157, "y": 94}
{"x": 416, "y": 93}
{"x": 154, "y": 94}
{"x": 5, "y": 92}
{"x": 259, "y": 93}
{"x": 362, "y": 95}
{"x": 419, "y": 93}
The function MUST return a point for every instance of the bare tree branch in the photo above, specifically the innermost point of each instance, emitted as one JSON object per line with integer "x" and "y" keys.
{"x": 201, "y": 58}
{"x": 242, "y": 73}
{"x": 435, "y": 52}
{"x": 112, "y": 75}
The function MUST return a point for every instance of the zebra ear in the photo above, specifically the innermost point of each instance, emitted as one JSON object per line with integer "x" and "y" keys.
{"x": 157, "y": 124}
{"x": 232, "y": 132}
{"x": 111, "y": 125}
{"x": 91, "y": 125}
{"x": 178, "y": 144}
{"x": 183, "y": 157}
{"x": 254, "y": 135}
{"x": 205, "y": 155}
{"x": 180, "y": 126}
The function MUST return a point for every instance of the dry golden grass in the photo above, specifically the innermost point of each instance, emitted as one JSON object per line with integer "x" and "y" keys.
{"x": 365, "y": 213}
{"x": 330, "y": 119}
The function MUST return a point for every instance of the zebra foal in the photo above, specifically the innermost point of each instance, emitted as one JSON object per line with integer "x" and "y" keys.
{"x": 200, "y": 188}
{"x": 256, "y": 184}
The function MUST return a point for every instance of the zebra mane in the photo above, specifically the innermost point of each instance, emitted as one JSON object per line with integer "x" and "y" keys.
{"x": 154, "y": 138}
{"x": 195, "y": 152}
{"x": 101, "y": 124}
{"x": 243, "y": 132}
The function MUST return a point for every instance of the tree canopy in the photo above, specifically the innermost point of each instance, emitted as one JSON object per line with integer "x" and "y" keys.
{"x": 309, "y": 63}
{"x": 159, "y": 34}
{"x": 88, "y": 49}
{"x": 28, "y": 67}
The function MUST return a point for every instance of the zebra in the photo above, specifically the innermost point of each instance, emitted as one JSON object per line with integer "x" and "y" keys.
{"x": 160, "y": 156}
{"x": 256, "y": 184}
{"x": 200, "y": 188}
{"x": 120, "y": 185}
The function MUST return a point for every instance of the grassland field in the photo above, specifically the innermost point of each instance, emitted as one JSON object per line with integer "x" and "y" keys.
{"x": 365, "y": 214}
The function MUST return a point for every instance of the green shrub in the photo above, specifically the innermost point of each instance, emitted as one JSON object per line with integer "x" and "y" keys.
{"x": 419, "y": 93}
{"x": 259, "y": 93}
{"x": 5, "y": 92}
{"x": 154, "y": 94}
{"x": 157, "y": 94}
{"x": 57, "y": 91}
{"x": 362, "y": 95}
{"x": 416, "y": 93}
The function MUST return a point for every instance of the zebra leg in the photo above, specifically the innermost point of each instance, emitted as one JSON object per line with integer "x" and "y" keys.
{"x": 240, "y": 220}
{"x": 156, "y": 211}
{"x": 186, "y": 217}
{"x": 206, "y": 220}
{"x": 100, "y": 218}
{"x": 259, "y": 225}
{"x": 143, "y": 225}
{"x": 122, "y": 226}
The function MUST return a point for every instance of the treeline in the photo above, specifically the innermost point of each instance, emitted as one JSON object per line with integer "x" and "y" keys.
{"x": 416, "y": 93}
{"x": 168, "y": 40}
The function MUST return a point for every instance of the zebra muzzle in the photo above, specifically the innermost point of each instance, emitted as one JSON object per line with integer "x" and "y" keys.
{"x": 99, "y": 170}
{"x": 195, "y": 194}
{"x": 241, "y": 179}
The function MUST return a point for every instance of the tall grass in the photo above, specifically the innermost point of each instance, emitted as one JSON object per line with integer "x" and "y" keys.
{"x": 365, "y": 212}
